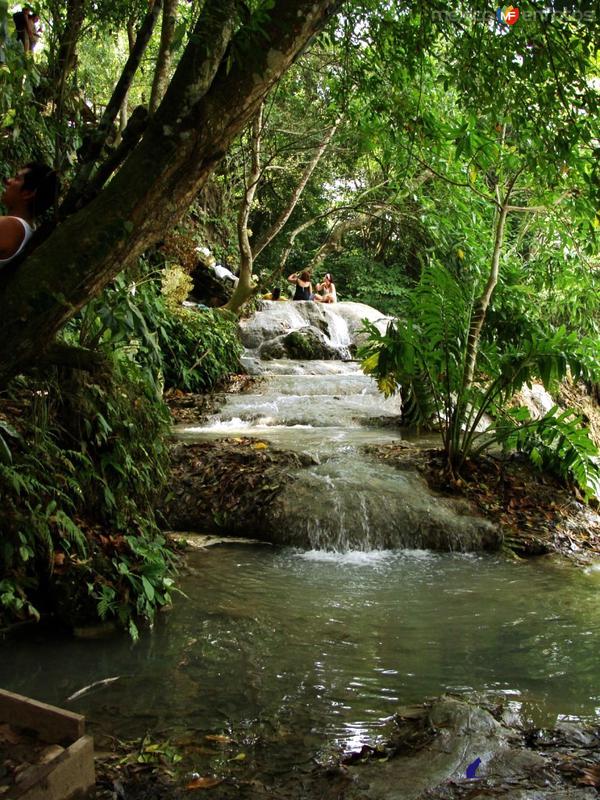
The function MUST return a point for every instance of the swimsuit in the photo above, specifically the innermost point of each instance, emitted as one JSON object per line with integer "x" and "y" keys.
{"x": 302, "y": 292}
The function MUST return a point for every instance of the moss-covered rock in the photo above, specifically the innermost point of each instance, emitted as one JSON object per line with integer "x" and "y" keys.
{"x": 308, "y": 344}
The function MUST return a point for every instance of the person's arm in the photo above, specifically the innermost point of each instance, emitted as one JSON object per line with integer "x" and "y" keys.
{"x": 293, "y": 278}
{"x": 12, "y": 234}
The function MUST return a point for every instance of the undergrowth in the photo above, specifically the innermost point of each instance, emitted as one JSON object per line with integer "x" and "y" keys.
{"x": 82, "y": 465}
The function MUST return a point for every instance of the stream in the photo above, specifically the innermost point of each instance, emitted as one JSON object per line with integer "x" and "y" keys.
{"x": 292, "y": 655}
{"x": 297, "y": 655}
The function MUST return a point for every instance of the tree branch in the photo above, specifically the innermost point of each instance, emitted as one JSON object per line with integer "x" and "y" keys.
{"x": 97, "y": 140}
{"x": 275, "y": 228}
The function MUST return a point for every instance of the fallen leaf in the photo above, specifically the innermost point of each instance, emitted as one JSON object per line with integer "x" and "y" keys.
{"x": 204, "y": 783}
{"x": 239, "y": 757}
{"x": 590, "y": 776}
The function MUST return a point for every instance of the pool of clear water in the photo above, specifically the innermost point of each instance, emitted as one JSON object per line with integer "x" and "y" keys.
{"x": 305, "y": 651}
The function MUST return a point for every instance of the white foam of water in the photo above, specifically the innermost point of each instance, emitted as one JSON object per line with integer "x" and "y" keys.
{"x": 419, "y": 555}
{"x": 365, "y": 557}
{"x": 238, "y": 424}
{"x": 359, "y": 557}
{"x": 234, "y": 422}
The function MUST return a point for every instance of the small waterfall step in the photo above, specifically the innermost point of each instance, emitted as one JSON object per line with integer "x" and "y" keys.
{"x": 329, "y": 410}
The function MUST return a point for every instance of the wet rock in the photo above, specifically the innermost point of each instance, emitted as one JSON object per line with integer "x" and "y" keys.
{"x": 340, "y": 324}
{"x": 208, "y": 287}
{"x": 453, "y": 749}
{"x": 371, "y": 506}
{"x": 307, "y": 343}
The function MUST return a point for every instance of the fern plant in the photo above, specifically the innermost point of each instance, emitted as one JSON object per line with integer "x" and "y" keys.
{"x": 422, "y": 354}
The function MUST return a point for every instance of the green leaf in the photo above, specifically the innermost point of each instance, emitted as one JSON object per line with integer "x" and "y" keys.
{"x": 148, "y": 588}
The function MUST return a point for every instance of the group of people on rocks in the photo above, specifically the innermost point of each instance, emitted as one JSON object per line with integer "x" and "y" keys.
{"x": 323, "y": 292}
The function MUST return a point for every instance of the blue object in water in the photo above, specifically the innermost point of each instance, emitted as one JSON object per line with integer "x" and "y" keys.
{"x": 472, "y": 768}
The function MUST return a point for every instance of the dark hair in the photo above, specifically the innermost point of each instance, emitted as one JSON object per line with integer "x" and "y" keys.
{"x": 43, "y": 180}
{"x": 305, "y": 275}
{"x": 276, "y": 293}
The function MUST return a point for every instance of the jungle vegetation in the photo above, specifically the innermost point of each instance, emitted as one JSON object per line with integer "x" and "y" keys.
{"x": 443, "y": 166}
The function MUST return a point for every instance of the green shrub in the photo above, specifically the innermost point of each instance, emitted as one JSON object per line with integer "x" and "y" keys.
{"x": 79, "y": 482}
{"x": 199, "y": 349}
{"x": 189, "y": 349}
{"x": 422, "y": 354}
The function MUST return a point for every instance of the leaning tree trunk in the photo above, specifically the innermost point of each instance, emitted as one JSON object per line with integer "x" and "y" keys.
{"x": 246, "y": 287}
{"x": 163, "y": 61}
{"x": 279, "y": 223}
{"x": 212, "y": 96}
{"x": 124, "y": 110}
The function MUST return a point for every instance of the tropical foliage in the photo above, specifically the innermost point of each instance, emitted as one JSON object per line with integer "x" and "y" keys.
{"x": 444, "y": 169}
{"x": 423, "y": 355}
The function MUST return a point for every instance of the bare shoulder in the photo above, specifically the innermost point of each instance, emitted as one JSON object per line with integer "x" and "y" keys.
{"x": 12, "y": 234}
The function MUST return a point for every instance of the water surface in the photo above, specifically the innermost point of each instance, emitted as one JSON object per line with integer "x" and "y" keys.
{"x": 304, "y": 652}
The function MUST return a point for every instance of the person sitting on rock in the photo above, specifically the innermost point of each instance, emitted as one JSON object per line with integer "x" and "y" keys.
{"x": 30, "y": 193}
{"x": 274, "y": 294}
{"x": 327, "y": 290}
{"x": 303, "y": 285}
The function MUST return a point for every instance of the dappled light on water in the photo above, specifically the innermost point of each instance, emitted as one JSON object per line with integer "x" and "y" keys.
{"x": 304, "y": 650}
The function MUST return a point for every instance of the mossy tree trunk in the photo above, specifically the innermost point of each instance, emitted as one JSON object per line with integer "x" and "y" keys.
{"x": 163, "y": 62}
{"x": 212, "y": 96}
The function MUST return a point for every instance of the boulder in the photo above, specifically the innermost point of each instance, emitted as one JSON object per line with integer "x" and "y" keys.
{"x": 306, "y": 344}
{"x": 452, "y": 749}
{"x": 213, "y": 284}
{"x": 340, "y": 324}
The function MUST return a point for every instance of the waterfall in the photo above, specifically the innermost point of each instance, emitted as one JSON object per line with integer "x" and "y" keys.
{"x": 339, "y": 335}
{"x": 328, "y": 411}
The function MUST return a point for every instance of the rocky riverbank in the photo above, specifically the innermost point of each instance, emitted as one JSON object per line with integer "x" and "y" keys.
{"x": 449, "y": 748}
{"x": 534, "y": 512}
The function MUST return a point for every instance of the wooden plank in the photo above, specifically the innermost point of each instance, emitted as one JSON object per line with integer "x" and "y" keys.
{"x": 52, "y": 724}
{"x": 70, "y": 775}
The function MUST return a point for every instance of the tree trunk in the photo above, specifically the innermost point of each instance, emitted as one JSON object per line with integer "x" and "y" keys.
{"x": 243, "y": 290}
{"x": 163, "y": 62}
{"x": 296, "y": 195}
{"x": 334, "y": 243}
{"x": 210, "y": 99}
{"x": 483, "y": 303}
{"x": 124, "y": 110}
{"x": 93, "y": 148}
{"x": 66, "y": 55}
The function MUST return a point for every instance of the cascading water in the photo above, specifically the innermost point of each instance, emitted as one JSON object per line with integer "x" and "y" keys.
{"x": 330, "y": 410}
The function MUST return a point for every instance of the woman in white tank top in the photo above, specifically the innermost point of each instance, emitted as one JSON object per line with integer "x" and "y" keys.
{"x": 32, "y": 191}
{"x": 25, "y": 237}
